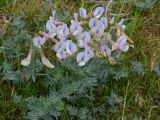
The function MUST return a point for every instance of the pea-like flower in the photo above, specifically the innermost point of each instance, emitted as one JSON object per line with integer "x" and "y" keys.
{"x": 51, "y": 29}
{"x": 98, "y": 12}
{"x": 89, "y": 52}
{"x": 105, "y": 50}
{"x": 83, "y": 13}
{"x": 39, "y": 41}
{"x": 112, "y": 20}
{"x": 71, "y": 47}
{"x": 59, "y": 46}
{"x": 53, "y": 17}
{"x": 121, "y": 44}
{"x": 97, "y": 30}
{"x": 82, "y": 58}
{"x": 75, "y": 28}
{"x": 120, "y": 24}
{"x": 83, "y": 39}
{"x": 93, "y": 22}
{"x": 62, "y": 31}
{"x": 75, "y": 17}
{"x": 104, "y": 22}
{"x": 97, "y": 26}
{"x": 61, "y": 54}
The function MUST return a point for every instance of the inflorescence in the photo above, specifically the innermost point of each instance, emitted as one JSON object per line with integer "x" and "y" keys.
{"x": 88, "y": 38}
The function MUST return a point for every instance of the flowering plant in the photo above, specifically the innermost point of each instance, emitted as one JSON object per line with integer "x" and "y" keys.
{"x": 96, "y": 35}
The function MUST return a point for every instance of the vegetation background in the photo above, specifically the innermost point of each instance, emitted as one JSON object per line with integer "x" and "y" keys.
{"x": 132, "y": 92}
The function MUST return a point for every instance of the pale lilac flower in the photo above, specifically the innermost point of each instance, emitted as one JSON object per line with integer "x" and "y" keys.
{"x": 39, "y": 41}
{"x": 50, "y": 25}
{"x": 105, "y": 50}
{"x": 62, "y": 31}
{"x": 83, "y": 13}
{"x": 53, "y": 17}
{"x": 54, "y": 14}
{"x": 104, "y": 22}
{"x": 71, "y": 47}
{"x": 82, "y": 58}
{"x": 120, "y": 24}
{"x": 97, "y": 30}
{"x": 60, "y": 50}
{"x": 112, "y": 20}
{"x": 59, "y": 46}
{"x": 93, "y": 22}
{"x": 83, "y": 39}
{"x": 27, "y": 60}
{"x": 52, "y": 33}
{"x": 51, "y": 29}
{"x": 98, "y": 12}
{"x": 76, "y": 17}
{"x": 75, "y": 28}
{"x": 121, "y": 44}
{"x": 61, "y": 54}
{"x": 89, "y": 52}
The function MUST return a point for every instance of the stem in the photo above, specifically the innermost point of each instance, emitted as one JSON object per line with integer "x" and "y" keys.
{"x": 124, "y": 105}
{"x": 109, "y": 3}
{"x": 151, "y": 111}
{"x": 83, "y": 22}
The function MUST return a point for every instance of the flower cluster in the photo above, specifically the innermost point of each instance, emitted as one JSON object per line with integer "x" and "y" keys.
{"x": 88, "y": 38}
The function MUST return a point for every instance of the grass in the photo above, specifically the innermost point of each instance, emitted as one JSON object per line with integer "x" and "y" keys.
{"x": 142, "y": 94}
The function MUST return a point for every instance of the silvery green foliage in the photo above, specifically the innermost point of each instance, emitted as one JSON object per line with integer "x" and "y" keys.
{"x": 156, "y": 69}
{"x": 143, "y": 4}
{"x": 112, "y": 101}
{"x": 138, "y": 67}
{"x": 13, "y": 42}
{"x": 72, "y": 90}
{"x": 137, "y": 118}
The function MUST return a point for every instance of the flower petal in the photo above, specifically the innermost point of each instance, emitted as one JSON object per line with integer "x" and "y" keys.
{"x": 75, "y": 28}
{"x": 62, "y": 31}
{"x": 54, "y": 14}
{"x": 59, "y": 46}
{"x": 50, "y": 25}
{"x": 98, "y": 12}
{"x": 105, "y": 50}
{"x": 112, "y": 20}
{"x": 61, "y": 54}
{"x": 71, "y": 48}
{"x": 121, "y": 22}
{"x": 85, "y": 37}
{"x": 90, "y": 52}
{"x": 83, "y": 13}
{"x": 122, "y": 43}
{"x": 76, "y": 17}
{"x": 82, "y": 58}
{"x": 122, "y": 38}
{"x": 114, "y": 46}
{"x": 97, "y": 30}
{"x": 93, "y": 22}
{"x": 38, "y": 41}
{"x": 104, "y": 22}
